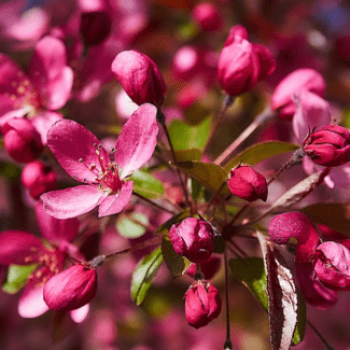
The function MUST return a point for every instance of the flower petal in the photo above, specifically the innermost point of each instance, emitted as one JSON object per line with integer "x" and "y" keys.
{"x": 43, "y": 122}
{"x": 75, "y": 147}
{"x": 138, "y": 139}
{"x": 55, "y": 230}
{"x": 115, "y": 203}
{"x": 32, "y": 304}
{"x": 79, "y": 315}
{"x": 19, "y": 248}
{"x": 50, "y": 74}
{"x": 71, "y": 202}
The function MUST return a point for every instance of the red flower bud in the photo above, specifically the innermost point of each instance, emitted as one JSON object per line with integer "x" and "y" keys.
{"x": 329, "y": 146}
{"x": 192, "y": 238}
{"x": 71, "y": 289}
{"x": 95, "y": 27}
{"x": 22, "y": 141}
{"x": 38, "y": 178}
{"x": 202, "y": 304}
{"x": 293, "y": 84}
{"x": 332, "y": 265}
{"x": 140, "y": 77}
{"x": 207, "y": 16}
{"x": 247, "y": 183}
{"x": 242, "y": 64}
{"x": 296, "y": 225}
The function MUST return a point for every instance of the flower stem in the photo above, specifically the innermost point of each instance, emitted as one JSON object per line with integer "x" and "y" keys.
{"x": 328, "y": 347}
{"x": 154, "y": 204}
{"x": 228, "y": 342}
{"x": 260, "y": 120}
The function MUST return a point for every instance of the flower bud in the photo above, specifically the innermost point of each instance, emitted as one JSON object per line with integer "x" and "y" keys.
{"x": 192, "y": 238}
{"x": 293, "y": 84}
{"x": 332, "y": 265}
{"x": 140, "y": 77}
{"x": 296, "y": 225}
{"x": 22, "y": 141}
{"x": 247, "y": 183}
{"x": 242, "y": 64}
{"x": 207, "y": 16}
{"x": 329, "y": 146}
{"x": 38, "y": 178}
{"x": 95, "y": 27}
{"x": 202, "y": 304}
{"x": 71, "y": 289}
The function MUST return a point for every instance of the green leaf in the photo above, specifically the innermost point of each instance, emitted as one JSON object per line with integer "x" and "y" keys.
{"x": 196, "y": 189}
{"x": 211, "y": 176}
{"x": 9, "y": 170}
{"x": 300, "y": 329}
{"x": 144, "y": 274}
{"x": 259, "y": 152}
{"x": 127, "y": 225}
{"x": 147, "y": 185}
{"x": 176, "y": 264}
{"x": 173, "y": 220}
{"x": 334, "y": 215}
{"x": 184, "y": 136}
{"x": 187, "y": 155}
{"x": 17, "y": 277}
{"x": 251, "y": 272}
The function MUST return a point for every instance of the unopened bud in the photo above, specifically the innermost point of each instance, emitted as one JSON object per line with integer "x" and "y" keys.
{"x": 207, "y": 16}
{"x": 247, "y": 183}
{"x": 202, "y": 304}
{"x": 329, "y": 146}
{"x": 192, "y": 238}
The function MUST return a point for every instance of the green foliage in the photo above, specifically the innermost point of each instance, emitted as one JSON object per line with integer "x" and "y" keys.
{"x": 131, "y": 226}
{"x": 147, "y": 185}
{"x": 17, "y": 277}
{"x": 144, "y": 274}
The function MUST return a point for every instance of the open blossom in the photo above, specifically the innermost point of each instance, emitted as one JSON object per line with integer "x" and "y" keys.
{"x": 39, "y": 94}
{"x": 23, "y": 248}
{"x": 82, "y": 156}
{"x": 243, "y": 64}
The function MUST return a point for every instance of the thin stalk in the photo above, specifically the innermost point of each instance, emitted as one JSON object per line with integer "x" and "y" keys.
{"x": 228, "y": 342}
{"x": 225, "y": 105}
{"x": 154, "y": 204}
{"x": 328, "y": 347}
{"x": 260, "y": 120}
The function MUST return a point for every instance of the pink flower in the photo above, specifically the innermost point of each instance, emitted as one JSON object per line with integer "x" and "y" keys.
{"x": 329, "y": 146}
{"x": 296, "y": 225}
{"x": 202, "y": 304}
{"x": 192, "y": 238}
{"x": 39, "y": 94}
{"x": 22, "y": 141}
{"x": 82, "y": 156}
{"x": 71, "y": 289}
{"x": 293, "y": 84}
{"x": 243, "y": 64}
{"x": 247, "y": 183}
{"x": 38, "y": 178}
{"x": 207, "y": 16}
{"x": 140, "y": 77}
{"x": 23, "y": 248}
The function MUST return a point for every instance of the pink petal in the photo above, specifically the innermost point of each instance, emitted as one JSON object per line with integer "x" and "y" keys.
{"x": 55, "y": 230}
{"x": 138, "y": 139}
{"x": 19, "y": 248}
{"x": 32, "y": 304}
{"x": 71, "y": 202}
{"x": 43, "y": 122}
{"x": 79, "y": 315}
{"x": 311, "y": 111}
{"x": 75, "y": 147}
{"x": 50, "y": 74}
{"x": 115, "y": 203}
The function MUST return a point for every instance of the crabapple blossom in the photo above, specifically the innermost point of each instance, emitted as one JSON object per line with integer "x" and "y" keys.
{"x": 140, "y": 77}
{"x": 246, "y": 183}
{"x": 82, "y": 156}
{"x": 243, "y": 64}
{"x": 207, "y": 16}
{"x": 192, "y": 238}
{"x": 202, "y": 303}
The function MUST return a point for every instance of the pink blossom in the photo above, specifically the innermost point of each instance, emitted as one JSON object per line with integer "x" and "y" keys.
{"x": 82, "y": 156}
{"x": 202, "y": 304}
{"x": 243, "y": 64}
{"x": 207, "y": 16}
{"x": 39, "y": 94}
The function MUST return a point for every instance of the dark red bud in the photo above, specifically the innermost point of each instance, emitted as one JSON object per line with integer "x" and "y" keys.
{"x": 329, "y": 146}
{"x": 247, "y": 183}
{"x": 95, "y": 27}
